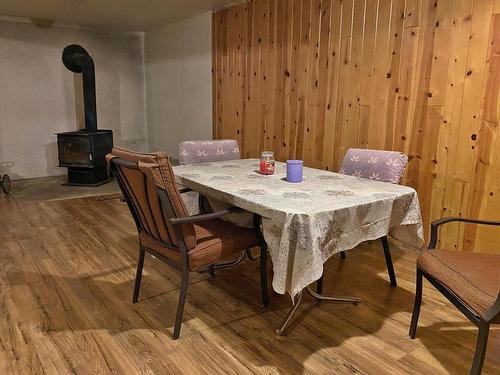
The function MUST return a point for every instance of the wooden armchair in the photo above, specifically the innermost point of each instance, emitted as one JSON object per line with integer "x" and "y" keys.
{"x": 471, "y": 281}
{"x": 187, "y": 243}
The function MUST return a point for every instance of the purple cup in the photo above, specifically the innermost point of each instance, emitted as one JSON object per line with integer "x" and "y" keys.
{"x": 294, "y": 170}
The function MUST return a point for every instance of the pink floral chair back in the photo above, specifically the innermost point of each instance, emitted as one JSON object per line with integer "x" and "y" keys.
{"x": 195, "y": 152}
{"x": 386, "y": 166}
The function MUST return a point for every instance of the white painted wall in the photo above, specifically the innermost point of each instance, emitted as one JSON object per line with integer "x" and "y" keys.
{"x": 38, "y": 93}
{"x": 179, "y": 83}
{"x": 153, "y": 90}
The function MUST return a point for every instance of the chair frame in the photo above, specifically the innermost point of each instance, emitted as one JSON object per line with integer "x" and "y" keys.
{"x": 482, "y": 322}
{"x": 181, "y": 247}
{"x": 387, "y": 253}
{"x": 388, "y": 262}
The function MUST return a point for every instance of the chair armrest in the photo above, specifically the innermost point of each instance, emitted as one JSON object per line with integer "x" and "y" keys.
{"x": 203, "y": 217}
{"x": 493, "y": 311}
{"x": 437, "y": 223}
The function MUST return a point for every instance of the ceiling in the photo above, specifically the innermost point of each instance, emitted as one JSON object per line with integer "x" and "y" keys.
{"x": 119, "y": 15}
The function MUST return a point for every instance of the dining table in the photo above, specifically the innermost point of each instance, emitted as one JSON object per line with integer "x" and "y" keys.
{"x": 305, "y": 223}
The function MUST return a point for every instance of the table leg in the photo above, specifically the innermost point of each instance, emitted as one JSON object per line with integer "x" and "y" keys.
{"x": 353, "y": 300}
{"x": 298, "y": 298}
{"x": 281, "y": 331}
{"x": 220, "y": 266}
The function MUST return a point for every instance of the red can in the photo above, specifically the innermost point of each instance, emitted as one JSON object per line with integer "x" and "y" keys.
{"x": 266, "y": 162}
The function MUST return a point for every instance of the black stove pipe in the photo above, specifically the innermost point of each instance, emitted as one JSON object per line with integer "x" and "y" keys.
{"x": 77, "y": 60}
{"x": 88, "y": 80}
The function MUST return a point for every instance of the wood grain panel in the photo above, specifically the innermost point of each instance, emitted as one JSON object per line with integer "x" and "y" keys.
{"x": 419, "y": 76}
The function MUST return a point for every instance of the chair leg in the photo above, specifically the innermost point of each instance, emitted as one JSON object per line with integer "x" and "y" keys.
{"x": 250, "y": 255}
{"x": 342, "y": 254}
{"x": 263, "y": 275}
{"x": 211, "y": 270}
{"x": 138, "y": 276}
{"x": 180, "y": 306}
{"x": 388, "y": 261}
{"x": 416, "y": 306}
{"x": 481, "y": 344}
{"x": 201, "y": 204}
{"x": 319, "y": 285}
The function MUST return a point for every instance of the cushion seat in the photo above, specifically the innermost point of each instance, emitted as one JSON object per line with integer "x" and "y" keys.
{"x": 472, "y": 277}
{"x": 216, "y": 240}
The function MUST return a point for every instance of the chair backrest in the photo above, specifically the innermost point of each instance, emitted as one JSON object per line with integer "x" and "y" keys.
{"x": 386, "y": 166}
{"x": 139, "y": 176}
{"x": 195, "y": 152}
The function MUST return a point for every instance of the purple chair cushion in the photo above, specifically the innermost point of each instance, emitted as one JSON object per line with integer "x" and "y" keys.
{"x": 386, "y": 166}
{"x": 195, "y": 152}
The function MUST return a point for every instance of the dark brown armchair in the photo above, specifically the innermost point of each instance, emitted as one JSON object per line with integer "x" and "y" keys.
{"x": 471, "y": 281}
{"x": 187, "y": 243}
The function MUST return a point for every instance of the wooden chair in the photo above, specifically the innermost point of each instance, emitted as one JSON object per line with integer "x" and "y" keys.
{"x": 187, "y": 243}
{"x": 379, "y": 165}
{"x": 471, "y": 281}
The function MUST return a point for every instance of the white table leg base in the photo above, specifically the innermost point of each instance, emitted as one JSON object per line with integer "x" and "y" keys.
{"x": 353, "y": 300}
{"x": 281, "y": 331}
{"x": 298, "y": 298}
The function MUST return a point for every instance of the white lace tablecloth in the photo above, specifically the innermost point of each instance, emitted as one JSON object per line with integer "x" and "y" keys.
{"x": 306, "y": 223}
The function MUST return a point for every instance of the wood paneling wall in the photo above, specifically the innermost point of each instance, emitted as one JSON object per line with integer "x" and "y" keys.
{"x": 310, "y": 78}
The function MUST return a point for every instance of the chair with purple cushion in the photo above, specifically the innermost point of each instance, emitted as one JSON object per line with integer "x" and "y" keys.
{"x": 378, "y": 165}
{"x": 196, "y": 152}
{"x": 203, "y": 151}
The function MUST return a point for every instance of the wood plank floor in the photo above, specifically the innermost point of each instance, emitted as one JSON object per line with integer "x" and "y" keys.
{"x": 66, "y": 275}
{"x": 52, "y": 188}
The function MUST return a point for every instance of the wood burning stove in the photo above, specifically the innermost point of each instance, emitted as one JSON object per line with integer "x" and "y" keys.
{"x": 83, "y": 152}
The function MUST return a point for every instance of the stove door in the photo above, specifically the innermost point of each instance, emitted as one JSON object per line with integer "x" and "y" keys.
{"x": 74, "y": 151}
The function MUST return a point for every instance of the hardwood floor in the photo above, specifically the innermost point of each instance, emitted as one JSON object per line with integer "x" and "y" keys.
{"x": 66, "y": 277}
{"x": 52, "y": 188}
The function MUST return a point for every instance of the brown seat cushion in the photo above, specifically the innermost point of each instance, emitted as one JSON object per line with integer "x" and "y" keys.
{"x": 472, "y": 277}
{"x": 216, "y": 241}
{"x": 153, "y": 244}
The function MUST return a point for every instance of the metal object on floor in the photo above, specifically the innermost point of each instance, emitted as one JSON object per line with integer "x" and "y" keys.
{"x": 5, "y": 182}
{"x": 320, "y": 297}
